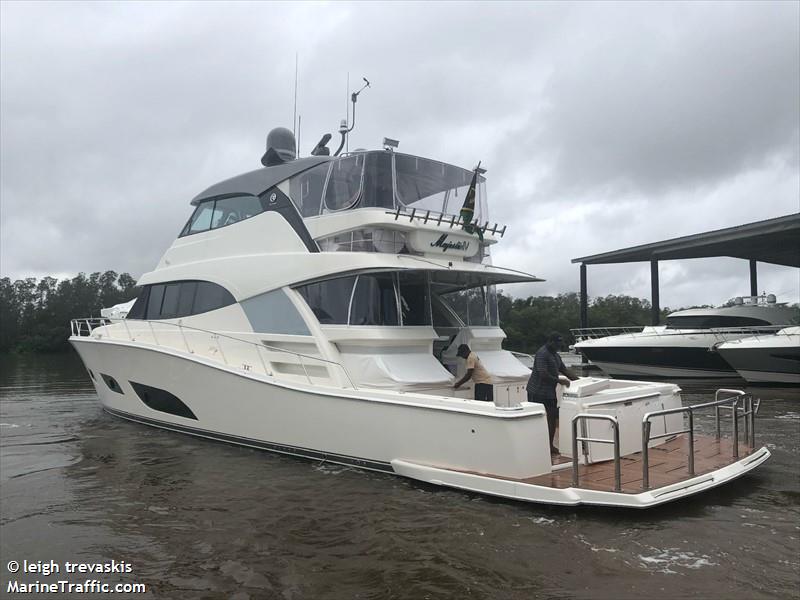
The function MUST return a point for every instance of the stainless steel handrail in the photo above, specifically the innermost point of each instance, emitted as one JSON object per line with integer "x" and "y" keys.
{"x": 748, "y": 411}
{"x": 719, "y": 333}
{"x": 77, "y": 327}
{"x": 582, "y": 418}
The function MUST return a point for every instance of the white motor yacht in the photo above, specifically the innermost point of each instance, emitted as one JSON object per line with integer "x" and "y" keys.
{"x": 766, "y": 358}
{"x": 314, "y": 306}
{"x": 685, "y": 346}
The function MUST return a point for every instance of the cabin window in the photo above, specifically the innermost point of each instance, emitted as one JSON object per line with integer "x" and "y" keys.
{"x": 186, "y": 298}
{"x": 476, "y": 306}
{"x": 431, "y": 185}
{"x": 169, "y": 306}
{"x": 273, "y": 312}
{"x": 415, "y": 305}
{"x": 154, "y": 303}
{"x": 213, "y": 214}
{"x": 139, "y": 308}
{"x": 329, "y": 300}
{"x": 374, "y": 300}
{"x": 179, "y": 299}
{"x": 344, "y": 182}
{"x": 210, "y": 296}
{"x": 306, "y": 189}
{"x": 200, "y": 219}
{"x": 228, "y": 211}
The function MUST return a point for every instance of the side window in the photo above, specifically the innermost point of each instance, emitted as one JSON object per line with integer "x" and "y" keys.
{"x": 180, "y": 299}
{"x": 169, "y": 306}
{"x": 210, "y": 296}
{"x": 186, "y": 298}
{"x": 344, "y": 182}
{"x": 154, "y": 303}
{"x": 139, "y": 308}
{"x": 200, "y": 219}
{"x": 213, "y": 214}
{"x": 374, "y": 300}
{"x": 329, "y": 300}
{"x": 306, "y": 189}
{"x": 228, "y": 211}
{"x": 415, "y": 305}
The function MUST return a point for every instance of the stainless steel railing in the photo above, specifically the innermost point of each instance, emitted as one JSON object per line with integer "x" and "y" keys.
{"x": 85, "y": 327}
{"x": 582, "y": 418}
{"x": 720, "y": 334}
{"x": 749, "y": 410}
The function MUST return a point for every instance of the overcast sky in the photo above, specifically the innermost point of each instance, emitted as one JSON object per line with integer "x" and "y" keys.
{"x": 602, "y": 125}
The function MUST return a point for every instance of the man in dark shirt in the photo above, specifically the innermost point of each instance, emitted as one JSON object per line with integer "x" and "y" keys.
{"x": 547, "y": 365}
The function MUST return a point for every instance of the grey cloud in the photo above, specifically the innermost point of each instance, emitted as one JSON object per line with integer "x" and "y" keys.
{"x": 602, "y": 125}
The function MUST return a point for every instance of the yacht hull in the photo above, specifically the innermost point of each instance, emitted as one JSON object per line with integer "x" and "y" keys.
{"x": 450, "y": 442}
{"x": 354, "y": 427}
{"x": 765, "y": 365}
{"x": 658, "y": 361}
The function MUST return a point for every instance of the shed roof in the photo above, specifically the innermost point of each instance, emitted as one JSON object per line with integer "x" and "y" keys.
{"x": 775, "y": 241}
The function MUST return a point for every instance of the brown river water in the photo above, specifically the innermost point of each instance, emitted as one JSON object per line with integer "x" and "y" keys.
{"x": 194, "y": 518}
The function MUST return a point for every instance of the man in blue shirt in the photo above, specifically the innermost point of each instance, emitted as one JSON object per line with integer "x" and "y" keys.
{"x": 547, "y": 365}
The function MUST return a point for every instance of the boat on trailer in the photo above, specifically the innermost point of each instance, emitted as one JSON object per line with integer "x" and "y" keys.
{"x": 314, "y": 307}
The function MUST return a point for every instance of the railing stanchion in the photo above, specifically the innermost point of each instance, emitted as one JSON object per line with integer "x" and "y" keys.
{"x": 153, "y": 332}
{"x": 746, "y": 414}
{"x": 302, "y": 364}
{"x": 617, "y": 467}
{"x": 735, "y": 413}
{"x": 261, "y": 358}
{"x": 575, "y": 451}
{"x": 716, "y": 416}
{"x": 127, "y": 329}
{"x": 183, "y": 335}
{"x": 219, "y": 347}
{"x": 646, "y": 453}
{"x": 691, "y": 441}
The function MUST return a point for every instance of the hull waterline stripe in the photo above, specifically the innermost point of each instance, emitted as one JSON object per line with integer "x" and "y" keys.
{"x": 354, "y": 461}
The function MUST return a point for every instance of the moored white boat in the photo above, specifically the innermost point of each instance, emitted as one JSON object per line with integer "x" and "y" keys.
{"x": 685, "y": 346}
{"x": 766, "y": 358}
{"x": 314, "y": 307}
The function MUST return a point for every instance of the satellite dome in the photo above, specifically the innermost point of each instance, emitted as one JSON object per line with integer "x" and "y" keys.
{"x": 281, "y": 147}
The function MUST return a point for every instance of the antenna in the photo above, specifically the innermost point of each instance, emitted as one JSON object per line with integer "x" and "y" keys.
{"x": 347, "y": 111}
{"x": 295, "y": 124}
{"x": 344, "y": 130}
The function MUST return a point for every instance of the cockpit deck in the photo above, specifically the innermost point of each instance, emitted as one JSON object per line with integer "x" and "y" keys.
{"x": 668, "y": 465}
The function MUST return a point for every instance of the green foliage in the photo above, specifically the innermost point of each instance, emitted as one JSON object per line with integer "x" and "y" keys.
{"x": 35, "y": 315}
{"x": 528, "y": 321}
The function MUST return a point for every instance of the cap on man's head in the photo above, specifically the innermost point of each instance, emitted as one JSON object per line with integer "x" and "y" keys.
{"x": 463, "y": 350}
{"x": 555, "y": 337}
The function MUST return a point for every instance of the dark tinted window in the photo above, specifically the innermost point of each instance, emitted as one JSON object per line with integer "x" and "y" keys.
{"x": 180, "y": 299}
{"x": 154, "y": 303}
{"x": 306, "y": 189}
{"x": 186, "y": 298}
{"x": 329, "y": 300}
{"x": 414, "y": 300}
{"x": 210, "y": 296}
{"x": 712, "y": 321}
{"x": 169, "y": 306}
{"x": 139, "y": 308}
{"x": 374, "y": 300}
{"x": 344, "y": 182}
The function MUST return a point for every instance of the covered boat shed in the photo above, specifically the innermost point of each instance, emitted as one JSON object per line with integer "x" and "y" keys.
{"x": 775, "y": 241}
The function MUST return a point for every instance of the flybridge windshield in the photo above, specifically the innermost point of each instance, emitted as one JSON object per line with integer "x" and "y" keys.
{"x": 386, "y": 180}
